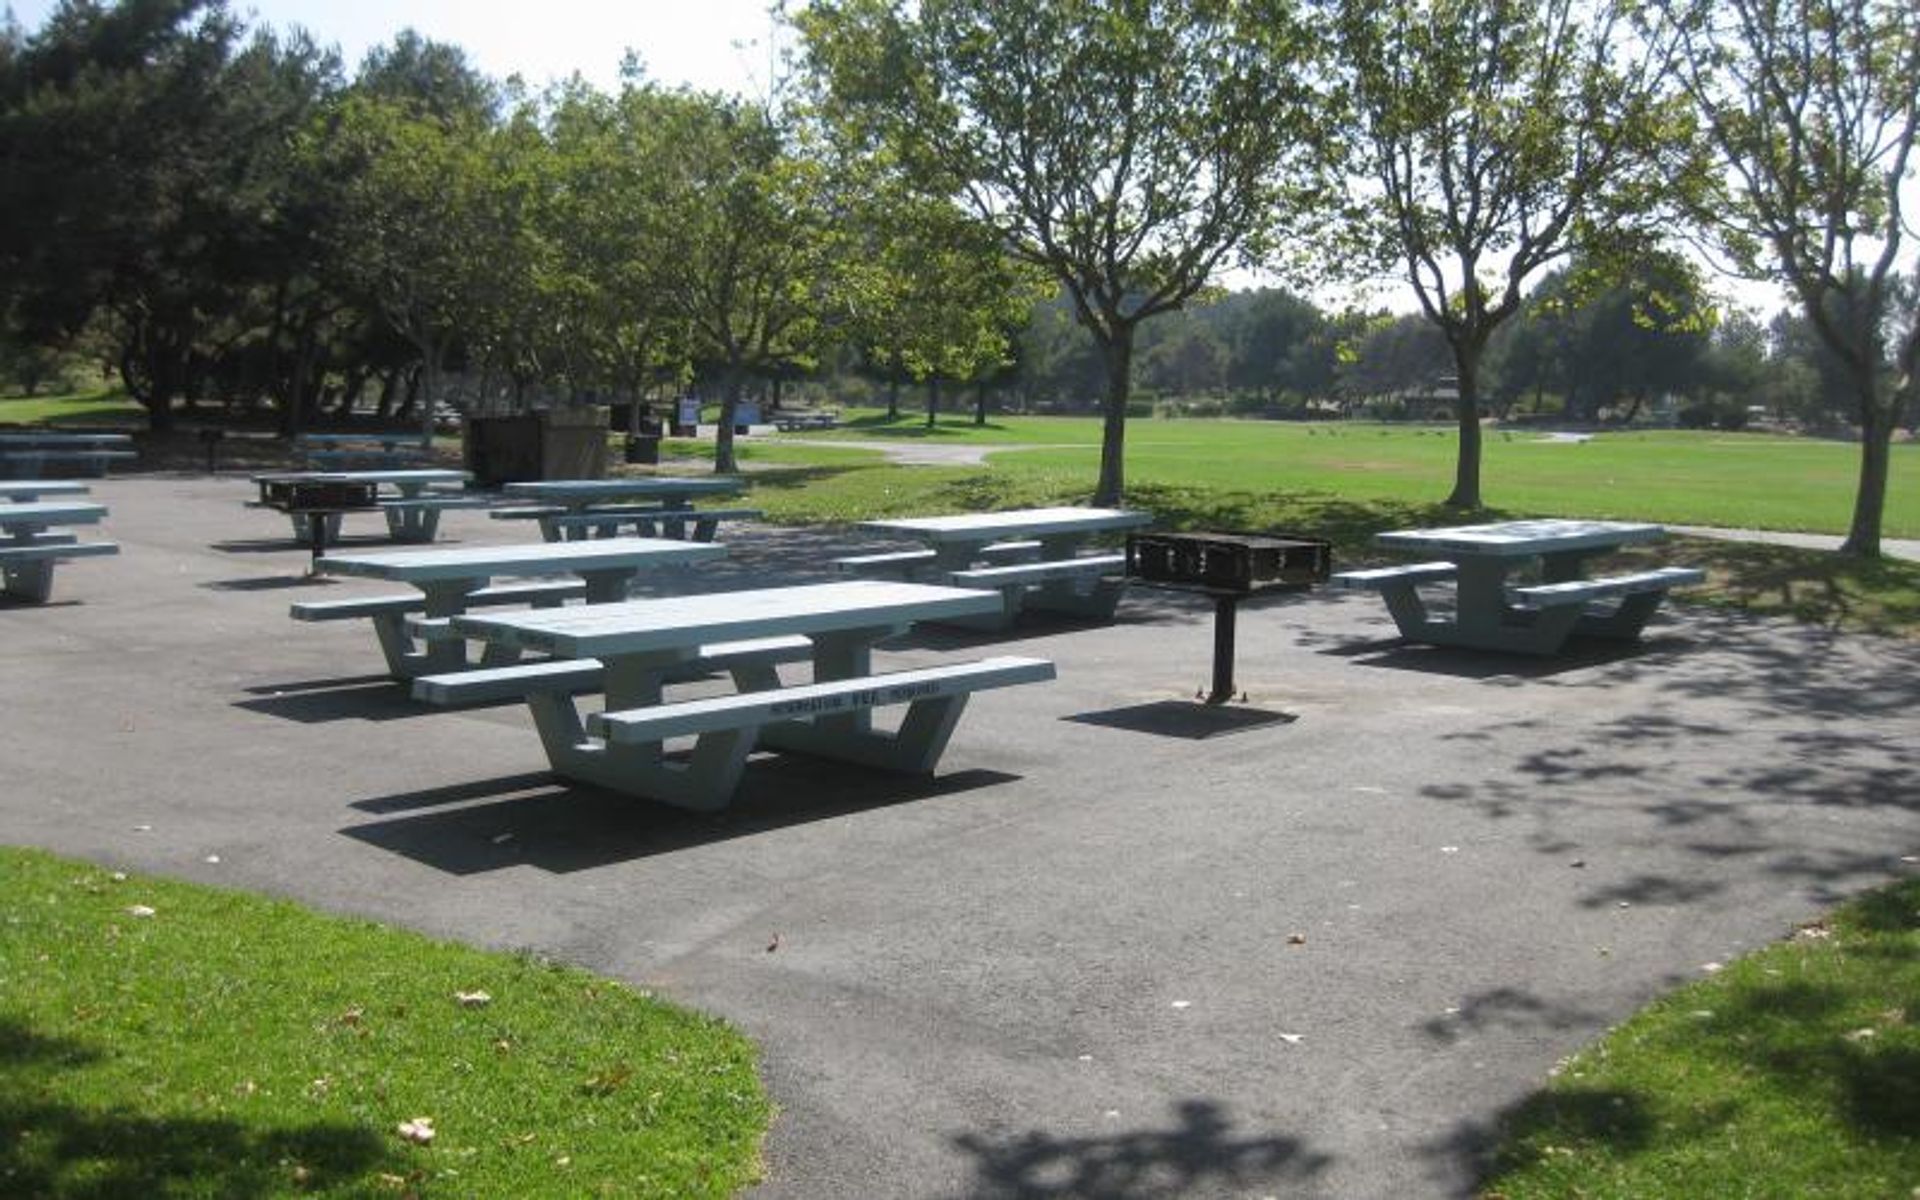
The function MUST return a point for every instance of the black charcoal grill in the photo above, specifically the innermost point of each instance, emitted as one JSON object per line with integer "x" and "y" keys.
{"x": 1229, "y": 567}
{"x": 318, "y": 500}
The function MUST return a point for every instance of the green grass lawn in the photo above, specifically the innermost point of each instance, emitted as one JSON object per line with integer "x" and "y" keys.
{"x": 1794, "y": 1072}
{"x": 1741, "y": 480}
{"x": 102, "y": 406}
{"x": 164, "y": 1039}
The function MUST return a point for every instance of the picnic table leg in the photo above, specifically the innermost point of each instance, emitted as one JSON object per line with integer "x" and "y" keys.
{"x": 606, "y": 587}
{"x": 958, "y": 556}
{"x": 850, "y": 737}
{"x": 29, "y": 581}
{"x": 413, "y": 524}
{"x": 704, "y": 782}
{"x": 316, "y": 539}
{"x": 1626, "y": 621}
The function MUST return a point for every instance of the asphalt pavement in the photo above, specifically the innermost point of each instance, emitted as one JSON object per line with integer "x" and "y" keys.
{"x": 1314, "y": 943}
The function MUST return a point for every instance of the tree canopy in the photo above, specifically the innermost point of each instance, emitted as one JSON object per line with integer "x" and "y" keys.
{"x": 1128, "y": 150}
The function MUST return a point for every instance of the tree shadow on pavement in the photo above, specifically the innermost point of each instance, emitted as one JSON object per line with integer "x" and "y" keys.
{"x": 1198, "y": 1154}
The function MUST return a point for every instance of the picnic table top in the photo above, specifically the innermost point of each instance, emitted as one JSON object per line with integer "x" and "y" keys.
{"x": 587, "y": 490}
{"x": 50, "y": 512}
{"x": 1517, "y": 538}
{"x": 685, "y": 622}
{"x": 63, "y": 438}
{"x": 28, "y": 489}
{"x": 399, "y": 475}
{"x": 973, "y": 527}
{"x": 468, "y": 562}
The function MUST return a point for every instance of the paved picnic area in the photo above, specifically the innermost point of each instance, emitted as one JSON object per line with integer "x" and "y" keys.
{"x": 1312, "y": 945}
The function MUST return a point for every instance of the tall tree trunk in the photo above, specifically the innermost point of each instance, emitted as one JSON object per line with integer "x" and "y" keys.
{"x": 1117, "y": 347}
{"x": 933, "y": 398}
{"x": 980, "y": 403}
{"x": 1466, "y": 474}
{"x": 736, "y": 382}
{"x": 1870, "y": 498}
{"x": 893, "y": 397}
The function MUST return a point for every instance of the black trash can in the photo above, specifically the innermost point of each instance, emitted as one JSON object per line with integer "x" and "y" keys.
{"x": 643, "y": 448}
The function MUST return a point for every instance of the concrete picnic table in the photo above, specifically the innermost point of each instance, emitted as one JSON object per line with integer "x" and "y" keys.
{"x": 412, "y": 515}
{"x": 32, "y": 539}
{"x": 1491, "y": 612}
{"x": 412, "y": 629}
{"x": 25, "y": 453}
{"x": 640, "y": 643}
{"x": 563, "y": 506}
{"x": 1046, "y": 570}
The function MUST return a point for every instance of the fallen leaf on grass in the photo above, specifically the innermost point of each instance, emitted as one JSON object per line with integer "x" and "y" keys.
{"x": 139, "y": 910}
{"x": 474, "y": 999}
{"x": 607, "y": 1082}
{"x": 419, "y": 1131}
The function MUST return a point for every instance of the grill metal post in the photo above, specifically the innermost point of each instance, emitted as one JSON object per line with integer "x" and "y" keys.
{"x": 1225, "y": 610}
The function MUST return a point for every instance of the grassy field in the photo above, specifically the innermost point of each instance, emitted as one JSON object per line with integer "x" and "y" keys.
{"x": 1740, "y": 480}
{"x": 105, "y": 406}
{"x": 162, "y": 1039}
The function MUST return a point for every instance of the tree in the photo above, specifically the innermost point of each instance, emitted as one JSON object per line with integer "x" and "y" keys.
{"x": 147, "y": 184}
{"x": 609, "y": 244}
{"x": 1498, "y": 136}
{"x": 412, "y": 234}
{"x": 752, "y": 250}
{"x": 1635, "y": 330}
{"x": 1128, "y": 150}
{"x": 1812, "y": 107}
{"x": 930, "y": 294}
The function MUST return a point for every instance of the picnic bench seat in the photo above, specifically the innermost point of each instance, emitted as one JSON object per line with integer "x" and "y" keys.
{"x": 1376, "y": 578}
{"x": 417, "y": 518}
{"x": 1581, "y": 591}
{"x": 539, "y": 593}
{"x": 728, "y": 727}
{"x": 649, "y": 522}
{"x": 525, "y": 512}
{"x": 89, "y": 461}
{"x": 371, "y": 450}
{"x": 790, "y": 421}
{"x": 567, "y": 675}
{"x": 902, "y": 562}
{"x": 1047, "y": 571}
{"x": 27, "y": 571}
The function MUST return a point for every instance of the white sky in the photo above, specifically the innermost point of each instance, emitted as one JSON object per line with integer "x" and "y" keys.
{"x": 719, "y": 45}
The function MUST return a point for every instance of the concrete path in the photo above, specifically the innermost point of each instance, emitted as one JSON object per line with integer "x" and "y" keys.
{"x": 1904, "y": 548}
{"x": 1314, "y": 945}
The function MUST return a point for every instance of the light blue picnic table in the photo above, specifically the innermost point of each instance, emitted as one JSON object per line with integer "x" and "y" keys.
{"x": 640, "y": 643}
{"x": 452, "y": 579}
{"x": 412, "y": 513}
{"x": 33, "y": 539}
{"x": 27, "y": 452}
{"x": 1520, "y": 586}
{"x": 1048, "y": 570}
{"x": 564, "y": 506}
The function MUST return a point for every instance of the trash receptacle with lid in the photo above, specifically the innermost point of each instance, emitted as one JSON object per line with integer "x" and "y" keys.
{"x": 643, "y": 448}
